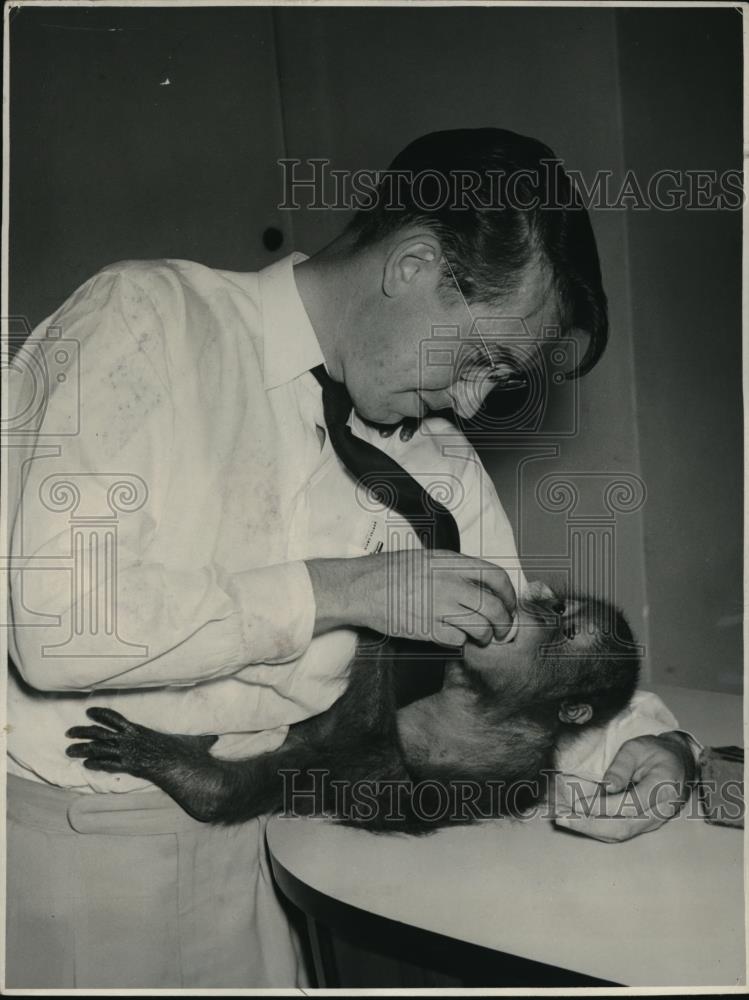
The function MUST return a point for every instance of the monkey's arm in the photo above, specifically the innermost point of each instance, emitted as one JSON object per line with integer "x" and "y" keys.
{"x": 354, "y": 740}
{"x": 208, "y": 788}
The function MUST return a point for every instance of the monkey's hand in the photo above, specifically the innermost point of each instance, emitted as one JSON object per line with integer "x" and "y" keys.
{"x": 180, "y": 765}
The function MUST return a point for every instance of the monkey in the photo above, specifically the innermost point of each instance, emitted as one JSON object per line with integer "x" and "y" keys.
{"x": 494, "y": 727}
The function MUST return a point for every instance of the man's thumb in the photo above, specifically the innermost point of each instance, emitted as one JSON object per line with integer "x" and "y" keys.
{"x": 615, "y": 780}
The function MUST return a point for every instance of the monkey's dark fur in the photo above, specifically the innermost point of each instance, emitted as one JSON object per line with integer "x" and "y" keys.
{"x": 355, "y": 747}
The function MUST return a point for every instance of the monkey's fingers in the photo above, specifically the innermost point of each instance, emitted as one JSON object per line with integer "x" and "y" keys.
{"x": 90, "y": 733}
{"x": 103, "y": 765}
{"x": 108, "y": 717}
{"x": 99, "y": 751}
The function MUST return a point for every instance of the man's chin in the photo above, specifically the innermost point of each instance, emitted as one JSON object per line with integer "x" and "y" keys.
{"x": 387, "y": 423}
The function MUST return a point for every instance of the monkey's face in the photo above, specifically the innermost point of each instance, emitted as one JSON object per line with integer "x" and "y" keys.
{"x": 552, "y": 659}
{"x": 542, "y": 626}
{"x": 573, "y": 655}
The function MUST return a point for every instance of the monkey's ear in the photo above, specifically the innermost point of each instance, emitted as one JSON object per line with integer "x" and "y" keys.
{"x": 578, "y": 713}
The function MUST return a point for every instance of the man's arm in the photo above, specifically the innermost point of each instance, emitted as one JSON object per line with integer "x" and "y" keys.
{"x": 193, "y": 624}
{"x": 647, "y": 766}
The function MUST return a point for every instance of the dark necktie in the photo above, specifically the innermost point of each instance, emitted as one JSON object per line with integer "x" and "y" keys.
{"x": 382, "y": 475}
{"x": 397, "y": 489}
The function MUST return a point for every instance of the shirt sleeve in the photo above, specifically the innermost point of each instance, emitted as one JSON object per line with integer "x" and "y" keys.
{"x": 109, "y": 442}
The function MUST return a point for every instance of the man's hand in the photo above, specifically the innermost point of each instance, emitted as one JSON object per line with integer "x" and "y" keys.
{"x": 646, "y": 784}
{"x": 435, "y": 596}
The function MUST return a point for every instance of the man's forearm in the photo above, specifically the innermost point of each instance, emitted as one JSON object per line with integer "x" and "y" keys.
{"x": 335, "y": 583}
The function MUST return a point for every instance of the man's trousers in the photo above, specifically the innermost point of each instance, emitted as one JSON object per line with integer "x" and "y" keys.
{"x": 127, "y": 891}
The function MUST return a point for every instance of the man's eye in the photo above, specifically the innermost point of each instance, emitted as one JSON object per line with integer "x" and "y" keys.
{"x": 512, "y": 380}
{"x": 501, "y": 375}
{"x": 507, "y": 378}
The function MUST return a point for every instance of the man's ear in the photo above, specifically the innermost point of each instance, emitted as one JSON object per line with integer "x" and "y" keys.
{"x": 417, "y": 257}
{"x": 575, "y": 712}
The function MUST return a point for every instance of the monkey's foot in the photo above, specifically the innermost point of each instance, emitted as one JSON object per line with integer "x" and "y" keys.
{"x": 180, "y": 765}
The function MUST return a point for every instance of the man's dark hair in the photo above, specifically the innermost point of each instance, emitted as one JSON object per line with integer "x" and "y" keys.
{"x": 497, "y": 201}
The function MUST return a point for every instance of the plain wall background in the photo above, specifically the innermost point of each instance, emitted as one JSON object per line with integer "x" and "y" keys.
{"x": 110, "y": 162}
{"x": 681, "y": 86}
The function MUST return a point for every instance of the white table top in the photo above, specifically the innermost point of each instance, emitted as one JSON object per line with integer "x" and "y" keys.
{"x": 663, "y": 909}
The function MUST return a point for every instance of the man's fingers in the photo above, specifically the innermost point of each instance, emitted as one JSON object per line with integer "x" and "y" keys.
{"x": 494, "y": 579}
{"x": 490, "y": 618}
{"x": 610, "y": 831}
{"x": 636, "y": 760}
{"x": 487, "y": 604}
{"x": 623, "y": 768}
{"x": 476, "y": 627}
{"x": 497, "y": 614}
{"x": 585, "y": 800}
{"x": 450, "y": 636}
{"x": 108, "y": 717}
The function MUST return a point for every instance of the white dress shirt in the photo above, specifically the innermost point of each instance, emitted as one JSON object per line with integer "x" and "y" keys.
{"x": 193, "y": 388}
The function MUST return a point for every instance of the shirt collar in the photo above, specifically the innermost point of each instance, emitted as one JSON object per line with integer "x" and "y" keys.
{"x": 291, "y": 347}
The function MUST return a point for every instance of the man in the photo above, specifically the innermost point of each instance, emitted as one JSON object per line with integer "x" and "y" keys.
{"x": 192, "y": 555}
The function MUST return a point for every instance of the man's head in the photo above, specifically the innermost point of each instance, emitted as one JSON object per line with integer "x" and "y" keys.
{"x": 468, "y": 225}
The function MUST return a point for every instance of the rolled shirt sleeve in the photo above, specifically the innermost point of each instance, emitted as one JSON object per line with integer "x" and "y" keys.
{"x": 277, "y": 612}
